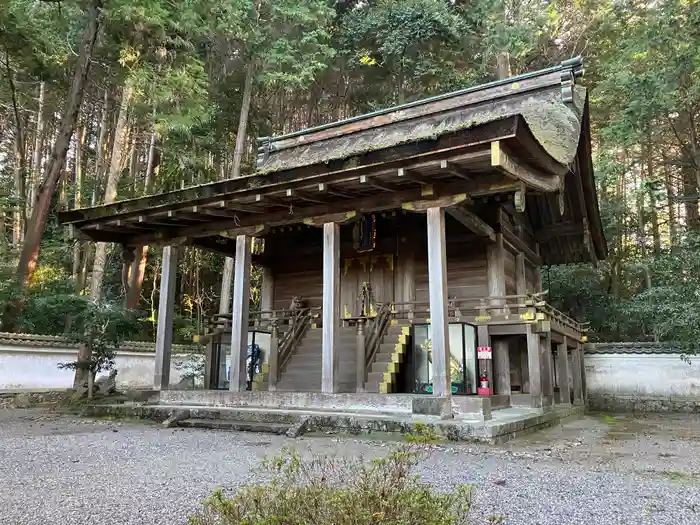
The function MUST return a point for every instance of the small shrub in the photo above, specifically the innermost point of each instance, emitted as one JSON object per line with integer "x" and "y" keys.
{"x": 323, "y": 491}
{"x": 422, "y": 434}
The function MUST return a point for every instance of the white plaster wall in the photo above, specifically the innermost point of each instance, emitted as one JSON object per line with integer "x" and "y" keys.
{"x": 642, "y": 375}
{"x": 37, "y": 368}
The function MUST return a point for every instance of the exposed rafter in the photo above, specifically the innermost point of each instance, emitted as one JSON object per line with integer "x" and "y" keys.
{"x": 472, "y": 222}
{"x": 503, "y": 161}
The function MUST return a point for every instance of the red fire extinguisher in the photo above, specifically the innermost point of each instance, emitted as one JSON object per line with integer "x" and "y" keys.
{"x": 484, "y": 381}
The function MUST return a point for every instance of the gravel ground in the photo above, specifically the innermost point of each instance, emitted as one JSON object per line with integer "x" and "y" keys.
{"x": 600, "y": 470}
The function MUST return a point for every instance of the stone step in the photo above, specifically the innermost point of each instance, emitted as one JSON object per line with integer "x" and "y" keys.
{"x": 240, "y": 426}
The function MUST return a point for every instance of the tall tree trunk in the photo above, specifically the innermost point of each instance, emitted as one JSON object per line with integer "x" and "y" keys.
{"x": 138, "y": 268}
{"x": 653, "y": 204}
{"x": 20, "y": 214}
{"x": 78, "y": 246}
{"x": 38, "y": 143}
{"x": 113, "y": 176}
{"x": 227, "y": 278}
{"x": 87, "y": 246}
{"x": 690, "y": 198}
{"x": 641, "y": 223}
{"x": 40, "y": 210}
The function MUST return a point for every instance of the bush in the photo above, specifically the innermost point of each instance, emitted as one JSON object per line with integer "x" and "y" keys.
{"x": 324, "y": 490}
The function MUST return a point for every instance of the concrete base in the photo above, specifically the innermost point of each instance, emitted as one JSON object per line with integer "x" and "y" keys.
{"x": 462, "y": 406}
{"x": 499, "y": 401}
{"x": 503, "y": 425}
{"x": 440, "y": 407}
{"x": 471, "y": 407}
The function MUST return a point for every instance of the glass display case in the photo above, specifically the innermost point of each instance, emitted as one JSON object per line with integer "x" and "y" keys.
{"x": 463, "y": 363}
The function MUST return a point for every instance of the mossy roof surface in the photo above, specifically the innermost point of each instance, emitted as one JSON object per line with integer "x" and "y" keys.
{"x": 555, "y": 125}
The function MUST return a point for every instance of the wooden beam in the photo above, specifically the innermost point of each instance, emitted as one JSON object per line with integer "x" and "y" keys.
{"x": 365, "y": 179}
{"x": 251, "y": 231}
{"x": 507, "y": 164}
{"x": 376, "y": 202}
{"x": 338, "y": 218}
{"x": 270, "y": 200}
{"x": 330, "y": 190}
{"x": 303, "y": 196}
{"x": 412, "y": 175}
{"x": 517, "y": 245}
{"x": 563, "y": 229}
{"x": 455, "y": 170}
{"x": 472, "y": 222}
{"x": 224, "y": 205}
{"x": 439, "y": 202}
{"x": 507, "y": 329}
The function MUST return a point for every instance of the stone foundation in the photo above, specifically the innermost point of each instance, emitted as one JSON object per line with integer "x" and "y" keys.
{"x": 631, "y": 404}
{"x": 34, "y": 398}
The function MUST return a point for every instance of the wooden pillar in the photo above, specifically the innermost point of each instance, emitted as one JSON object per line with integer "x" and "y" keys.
{"x": 546, "y": 372}
{"x": 360, "y": 356}
{"x": 273, "y": 358}
{"x": 563, "y": 373}
{"x": 576, "y": 374}
{"x": 164, "y": 327}
{"x": 533, "y": 364}
{"x": 437, "y": 278}
{"x": 520, "y": 279}
{"x": 331, "y": 307}
{"x": 240, "y": 307}
{"x": 538, "y": 273}
{"x": 524, "y": 366}
{"x": 496, "y": 278}
{"x": 584, "y": 389}
{"x": 501, "y": 365}
{"x": 267, "y": 289}
{"x": 408, "y": 273}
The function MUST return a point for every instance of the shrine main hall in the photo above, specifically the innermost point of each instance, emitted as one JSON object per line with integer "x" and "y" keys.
{"x": 401, "y": 255}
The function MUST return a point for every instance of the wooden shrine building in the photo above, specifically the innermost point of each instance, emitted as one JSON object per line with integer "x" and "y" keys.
{"x": 396, "y": 247}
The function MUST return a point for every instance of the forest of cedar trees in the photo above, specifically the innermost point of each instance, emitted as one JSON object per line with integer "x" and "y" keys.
{"x": 104, "y": 100}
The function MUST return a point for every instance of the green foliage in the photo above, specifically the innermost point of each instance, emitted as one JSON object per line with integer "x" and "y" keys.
{"x": 100, "y": 327}
{"x": 325, "y": 490}
{"x": 423, "y": 434}
{"x": 314, "y": 61}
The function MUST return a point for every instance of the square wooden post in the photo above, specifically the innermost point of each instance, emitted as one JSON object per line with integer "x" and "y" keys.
{"x": 576, "y": 374}
{"x": 563, "y": 373}
{"x": 547, "y": 375}
{"x": 533, "y": 365}
{"x": 164, "y": 326}
{"x": 360, "y": 356}
{"x": 331, "y": 307}
{"x": 267, "y": 289}
{"x": 437, "y": 279}
{"x": 496, "y": 280}
{"x": 273, "y": 358}
{"x": 240, "y": 308}
{"x": 584, "y": 390}
{"x": 524, "y": 366}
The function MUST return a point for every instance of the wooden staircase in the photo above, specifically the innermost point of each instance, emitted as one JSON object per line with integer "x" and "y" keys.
{"x": 392, "y": 350}
{"x": 303, "y": 370}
